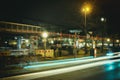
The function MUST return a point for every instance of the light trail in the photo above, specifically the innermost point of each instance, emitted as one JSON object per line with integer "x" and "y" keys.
{"x": 58, "y": 62}
{"x": 57, "y": 71}
{"x": 63, "y": 60}
{"x": 69, "y": 61}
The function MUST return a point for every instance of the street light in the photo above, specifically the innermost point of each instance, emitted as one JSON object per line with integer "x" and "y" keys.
{"x": 86, "y": 9}
{"x": 103, "y": 30}
{"x": 44, "y": 35}
{"x": 103, "y": 19}
{"x": 108, "y": 40}
{"x": 117, "y": 41}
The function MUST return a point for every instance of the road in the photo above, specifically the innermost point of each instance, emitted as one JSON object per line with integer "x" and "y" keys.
{"x": 99, "y": 70}
{"x": 109, "y": 71}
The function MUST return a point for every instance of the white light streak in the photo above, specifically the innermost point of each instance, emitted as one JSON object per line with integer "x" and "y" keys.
{"x": 58, "y": 71}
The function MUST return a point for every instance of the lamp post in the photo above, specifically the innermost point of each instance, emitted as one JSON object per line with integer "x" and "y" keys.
{"x": 103, "y": 30}
{"x": 117, "y": 41}
{"x": 86, "y": 9}
{"x": 108, "y": 42}
{"x": 44, "y": 35}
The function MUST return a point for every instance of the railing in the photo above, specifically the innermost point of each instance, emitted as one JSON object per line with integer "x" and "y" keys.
{"x": 25, "y": 28}
{"x": 19, "y": 28}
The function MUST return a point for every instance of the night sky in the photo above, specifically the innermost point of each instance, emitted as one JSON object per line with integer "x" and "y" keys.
{"x": 59, "y": 12}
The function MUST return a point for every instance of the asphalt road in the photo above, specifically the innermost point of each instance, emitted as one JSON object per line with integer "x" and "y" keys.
{"x": 109, "y": 71}
{"x": 97, "y": 70}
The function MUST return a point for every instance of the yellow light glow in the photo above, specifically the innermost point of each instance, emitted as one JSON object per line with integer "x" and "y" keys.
{"x": 26, "y": 40}
{"x": 108, "y": 39}
{"x": 117, "y": 41}
{"x": 45, "y": 35}
{"x": 86, "y": 7}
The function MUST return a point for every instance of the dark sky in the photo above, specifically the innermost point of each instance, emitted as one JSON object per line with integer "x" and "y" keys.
{"x": 60, "y": 12}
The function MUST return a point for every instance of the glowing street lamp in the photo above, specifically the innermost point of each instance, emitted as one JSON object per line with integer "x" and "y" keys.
{"x": 45, "y": 35}
{"x": 103, "y": 20}
{"x": 86, "y": 9}
{"x": 108, "y": 40}
{"x": 117, "y": 41}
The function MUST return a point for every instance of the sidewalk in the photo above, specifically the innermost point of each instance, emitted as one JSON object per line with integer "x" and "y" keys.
{"x": 72, "y": 56}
